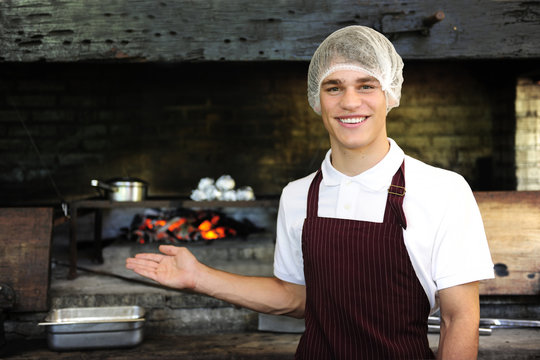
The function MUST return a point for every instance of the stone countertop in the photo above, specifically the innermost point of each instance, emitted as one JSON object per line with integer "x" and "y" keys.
{"x": 502, "y": 344}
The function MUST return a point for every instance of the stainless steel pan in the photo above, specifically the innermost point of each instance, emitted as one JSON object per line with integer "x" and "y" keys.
{"x": 123, "y": 189}
{"x": 94, "y": 327}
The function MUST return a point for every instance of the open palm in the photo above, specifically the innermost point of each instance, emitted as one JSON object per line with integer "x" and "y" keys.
{"x": 175, "y": 267}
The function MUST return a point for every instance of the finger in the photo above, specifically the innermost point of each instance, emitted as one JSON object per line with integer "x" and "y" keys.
{"x": 135, "y": 261}
{"x": 150, "y": 256}
{"x": 142, "y": 265}
{"x": 169, "y": 249}
{"x": 136, "y": 266}
{"x": 142, "y": 262}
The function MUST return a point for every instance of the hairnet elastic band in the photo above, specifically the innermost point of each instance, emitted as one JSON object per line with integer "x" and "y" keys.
{"x": 354, "y": 68}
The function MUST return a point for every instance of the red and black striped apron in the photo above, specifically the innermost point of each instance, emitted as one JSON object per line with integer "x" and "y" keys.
{"x": 364, "y": 300}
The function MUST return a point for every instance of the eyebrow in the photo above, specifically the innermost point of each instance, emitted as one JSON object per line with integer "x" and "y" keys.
{"x": 360, "y": 80}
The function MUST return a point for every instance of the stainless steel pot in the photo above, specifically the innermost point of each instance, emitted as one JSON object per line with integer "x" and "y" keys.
{"x": 123, "y": 189}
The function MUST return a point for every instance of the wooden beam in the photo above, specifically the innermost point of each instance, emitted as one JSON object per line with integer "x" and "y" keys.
{"x": 511, "y": 220}
{"x": 242, "y": 30}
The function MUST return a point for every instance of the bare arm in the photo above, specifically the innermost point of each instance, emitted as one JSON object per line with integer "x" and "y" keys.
{"x": 176, "y": 267}
{"x": 460, "y": 318}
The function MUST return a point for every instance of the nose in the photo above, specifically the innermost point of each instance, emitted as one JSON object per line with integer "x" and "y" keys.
{"x": 350, "y": 99}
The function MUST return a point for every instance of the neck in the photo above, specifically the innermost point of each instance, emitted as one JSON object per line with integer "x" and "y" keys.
{"x": 352, "y": 162}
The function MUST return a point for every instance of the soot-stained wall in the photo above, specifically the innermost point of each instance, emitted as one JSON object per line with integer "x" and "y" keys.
{"x": 63, "y": 124}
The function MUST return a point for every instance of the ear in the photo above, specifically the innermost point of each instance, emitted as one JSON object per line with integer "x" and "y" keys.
{"x": 391, "y": 102}
{"x": 317, "y": 107}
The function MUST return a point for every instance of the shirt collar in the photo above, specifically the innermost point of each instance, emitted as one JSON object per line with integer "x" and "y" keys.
{"x": 376, "y": 178}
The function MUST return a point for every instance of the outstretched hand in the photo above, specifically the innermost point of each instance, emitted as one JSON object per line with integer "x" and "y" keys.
{"x": 175, "y": 267}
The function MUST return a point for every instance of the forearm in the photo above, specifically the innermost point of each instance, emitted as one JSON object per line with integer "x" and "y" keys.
{"x": 458, "y": 339}
{"x": 262, "y": 294}
{"x": 176, "y": 267}
{"x": 460, "y": 318}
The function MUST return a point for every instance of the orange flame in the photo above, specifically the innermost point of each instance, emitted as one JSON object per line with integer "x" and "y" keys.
{"x": 206, "y": 225}
{"x": 177, "y": 224}
{"x": 209, "y": 232}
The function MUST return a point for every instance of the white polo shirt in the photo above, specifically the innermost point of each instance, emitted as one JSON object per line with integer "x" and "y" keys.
{"x": 445, "y": 236}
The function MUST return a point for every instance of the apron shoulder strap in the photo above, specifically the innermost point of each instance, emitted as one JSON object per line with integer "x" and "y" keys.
{"x": 313, "y": 196}
{"x": 396, "y": 193}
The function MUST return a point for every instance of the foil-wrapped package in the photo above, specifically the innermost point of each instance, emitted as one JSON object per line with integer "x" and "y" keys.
{"x": 204, "y": 183}
{"x": 225, "y": 183}
{"x": 198, "y": 195}
{"x": 229, "y": 195}
{"x": 206, "y": 190}
{"x": 245, "y": 193}
{"x": 212, "y": 193}
{"x": 222, "y": 189}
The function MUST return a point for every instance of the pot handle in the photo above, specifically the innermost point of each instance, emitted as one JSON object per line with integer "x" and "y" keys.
{"x": 99, "y": 184}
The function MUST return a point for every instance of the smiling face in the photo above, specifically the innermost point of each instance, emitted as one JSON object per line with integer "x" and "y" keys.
{"x": 353, "y": 109}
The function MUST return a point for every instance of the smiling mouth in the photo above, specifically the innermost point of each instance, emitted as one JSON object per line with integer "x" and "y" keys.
{"x": 352, "y": 120}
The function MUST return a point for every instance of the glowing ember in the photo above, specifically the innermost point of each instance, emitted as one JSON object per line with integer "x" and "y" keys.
{"x": 188, "y": 226}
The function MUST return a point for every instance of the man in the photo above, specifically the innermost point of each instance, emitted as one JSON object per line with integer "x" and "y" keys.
{"x": 371, "y": 243}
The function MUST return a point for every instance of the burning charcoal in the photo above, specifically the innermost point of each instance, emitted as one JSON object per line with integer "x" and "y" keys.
{"x": 225, "y": 183}
{"x": 183, "y": 224}
{"x": 161, "y": 236}
{"x": 245, "y": 193}
{"x": 139, "y": 236}
{"x": 168, "y": 225}
{"x": 137, "y": 221}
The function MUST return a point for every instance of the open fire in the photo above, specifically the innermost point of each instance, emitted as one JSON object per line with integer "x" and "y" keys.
{"x": 183, "y": 225}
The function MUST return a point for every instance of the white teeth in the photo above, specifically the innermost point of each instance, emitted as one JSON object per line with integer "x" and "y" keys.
{"x": 352, "y": 120}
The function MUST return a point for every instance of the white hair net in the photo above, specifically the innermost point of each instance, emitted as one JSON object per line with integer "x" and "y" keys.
{"x": 357, "y": 48}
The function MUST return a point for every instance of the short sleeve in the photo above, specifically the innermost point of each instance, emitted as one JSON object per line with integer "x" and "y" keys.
{"x": 461, "y": 253}
{"x": 288, "y": 260}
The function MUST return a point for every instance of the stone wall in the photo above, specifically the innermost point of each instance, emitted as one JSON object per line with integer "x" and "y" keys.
{"x": 528, "y": 134}
{"x": 172, "y": 124}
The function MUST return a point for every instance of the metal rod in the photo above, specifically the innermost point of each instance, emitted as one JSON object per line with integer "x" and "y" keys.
{"x": 433, "y": 19}
{"x": 437, "y": 329}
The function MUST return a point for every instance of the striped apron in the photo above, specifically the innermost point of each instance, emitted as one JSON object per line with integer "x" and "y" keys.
{"x": 364, "y": 300}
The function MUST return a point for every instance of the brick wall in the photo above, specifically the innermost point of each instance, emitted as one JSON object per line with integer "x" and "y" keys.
{"x": 528, "y": 134}
{"x": 460, "y": 116}
{"x": 172, "y": 124}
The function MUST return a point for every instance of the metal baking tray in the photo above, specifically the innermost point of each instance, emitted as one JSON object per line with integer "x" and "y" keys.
{"x": 94, "y": 327}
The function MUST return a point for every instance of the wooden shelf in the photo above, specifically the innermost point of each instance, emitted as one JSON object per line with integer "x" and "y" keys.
{"x": 169, "y": 203}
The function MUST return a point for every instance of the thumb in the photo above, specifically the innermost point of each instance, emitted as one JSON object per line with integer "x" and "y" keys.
{"x": 168, "y": 249}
